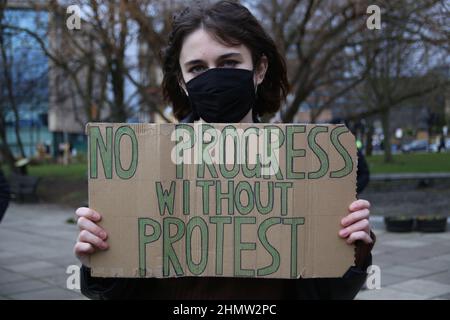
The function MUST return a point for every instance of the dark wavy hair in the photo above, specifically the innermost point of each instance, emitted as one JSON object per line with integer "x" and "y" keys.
{"x": 231, "y": 24}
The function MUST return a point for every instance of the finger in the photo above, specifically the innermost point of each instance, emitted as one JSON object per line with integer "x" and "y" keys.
{"x": 83, "y": 248}
{"x": 354, "y": 217}
{"x": 88, "y": 214}
{"x": 361, "y": 225}
{"x": 86, "y": 224}
{"x": 359, "y": 235}
{"x": 359, "y": 205}
{"x": 86, "y": 236}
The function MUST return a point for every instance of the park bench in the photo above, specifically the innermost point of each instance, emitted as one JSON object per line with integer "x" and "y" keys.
{"x": 23, "y": 188}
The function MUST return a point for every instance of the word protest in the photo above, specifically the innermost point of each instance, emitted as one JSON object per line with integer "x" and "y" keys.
{"x": 222, "y": 200}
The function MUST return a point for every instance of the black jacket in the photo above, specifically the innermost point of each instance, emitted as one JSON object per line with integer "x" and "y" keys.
{"x": 4, "y": 195}
{"x": 363, "y": 174}
{"x": 346, "y": 287}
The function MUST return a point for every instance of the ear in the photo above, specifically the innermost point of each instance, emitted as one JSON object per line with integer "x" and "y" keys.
{"x": 261, "y": 69}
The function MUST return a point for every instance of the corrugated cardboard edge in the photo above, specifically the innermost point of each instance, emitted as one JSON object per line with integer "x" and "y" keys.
{"x": 356, "y": 191}
{"x": 355, "y": 183}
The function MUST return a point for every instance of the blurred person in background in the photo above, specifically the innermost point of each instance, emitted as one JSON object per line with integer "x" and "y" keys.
{"x": 442, "y": 145}
{"x": 4, "y": 195}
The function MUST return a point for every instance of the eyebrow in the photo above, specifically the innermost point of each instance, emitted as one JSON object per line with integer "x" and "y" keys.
{"x": 222, "y": 57}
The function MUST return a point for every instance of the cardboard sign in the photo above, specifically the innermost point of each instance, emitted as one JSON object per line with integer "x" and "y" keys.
{"x": 241, "y": 200}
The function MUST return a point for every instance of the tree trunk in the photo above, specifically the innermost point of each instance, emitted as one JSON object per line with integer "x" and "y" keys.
{"x": 369, "y": 134}
{"x": 5, "y": 150}
{"x": 11, "y": 98}
{"x": 387, "y": 135}
{"x": 7, "y": 154}
{"x": 118, "y": 83}
{"x": 288, "y": 115}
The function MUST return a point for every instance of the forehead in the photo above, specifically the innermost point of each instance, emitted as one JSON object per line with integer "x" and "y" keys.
{"x": 201, "y": 45}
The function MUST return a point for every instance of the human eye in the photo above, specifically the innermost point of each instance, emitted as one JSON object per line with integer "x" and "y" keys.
{"x": 229, "y": 63}
{"x": 197, "y": 69}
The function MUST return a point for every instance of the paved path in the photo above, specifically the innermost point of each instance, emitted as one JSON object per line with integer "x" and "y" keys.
{"x": 413, "y": 265}
{"x": 36, "y": 249}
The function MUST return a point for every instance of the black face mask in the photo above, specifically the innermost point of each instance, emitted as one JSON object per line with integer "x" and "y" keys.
{"x": 222, "y": 95}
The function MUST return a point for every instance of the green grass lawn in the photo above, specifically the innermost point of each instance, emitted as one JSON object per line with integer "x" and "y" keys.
{"x": 403, "y": 163}
{"x": 411, "y": 163}
{"x": 72, "y": 172}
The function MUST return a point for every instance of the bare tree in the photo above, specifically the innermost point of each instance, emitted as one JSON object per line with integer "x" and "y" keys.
{"x": 405, "y": 64}
{"x": 154, "y": 20}
{"x": 6, "y": 66}
{"x": 320, "y": 37}
{"x": 113, "y": 63}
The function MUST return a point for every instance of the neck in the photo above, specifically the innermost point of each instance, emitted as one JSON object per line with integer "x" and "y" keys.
{"x": 248, "y": 118}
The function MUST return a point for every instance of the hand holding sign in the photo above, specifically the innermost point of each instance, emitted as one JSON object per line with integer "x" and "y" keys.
{"x": 91, "y": 236}
{"x": 356, "y": 224}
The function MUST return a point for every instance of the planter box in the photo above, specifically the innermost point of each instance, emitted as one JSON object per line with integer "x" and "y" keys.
{"x": 431, "y": 225}
{"x": 394, "y": 224}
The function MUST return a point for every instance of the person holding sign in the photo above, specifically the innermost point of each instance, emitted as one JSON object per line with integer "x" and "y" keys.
{"x": 220, "y": 66}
